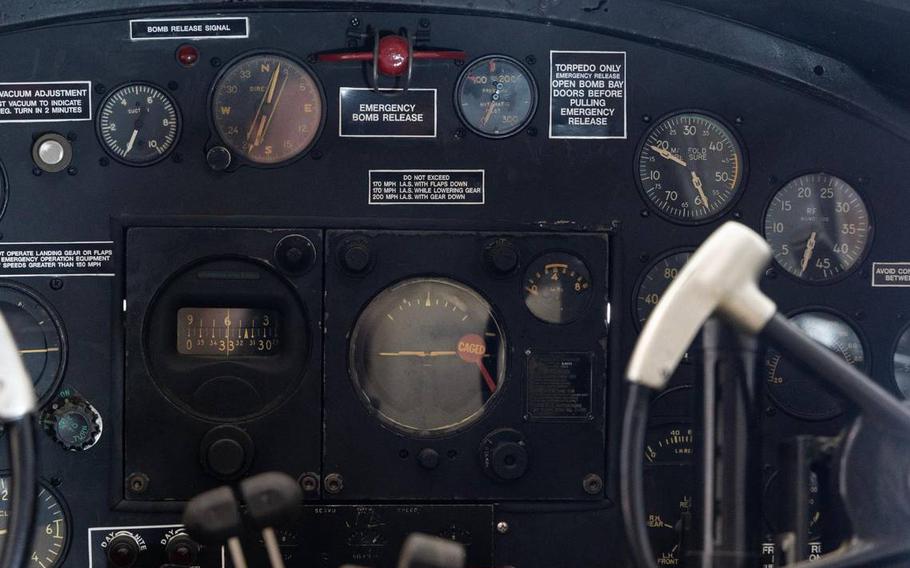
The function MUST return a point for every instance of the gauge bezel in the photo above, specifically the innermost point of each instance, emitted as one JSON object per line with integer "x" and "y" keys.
{"x": 867, "y": 358}
{"x": 523, "y": 293}
{"x": 4, "y": 188}
{"x": 54, "y": 383}
{"x": 641, "y": 279}
{"x": 64, "y": 507}
{"x": 177, "y": 133}
{"x": 441, "y": 433}
{"x": 870, "y": 230}
{"x": 238, "y": 159}
{"x": 905, "y": 329}
{"x": 738, "y": 193}
{"x": 535, "y": 95}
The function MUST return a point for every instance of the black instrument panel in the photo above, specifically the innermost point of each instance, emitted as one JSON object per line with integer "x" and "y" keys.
{"x": 237, "y": 210}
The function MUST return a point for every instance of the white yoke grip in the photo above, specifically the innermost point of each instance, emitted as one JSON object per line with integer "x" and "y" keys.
{"x": 17, "y": 395}
{"x": 721, "y": 276}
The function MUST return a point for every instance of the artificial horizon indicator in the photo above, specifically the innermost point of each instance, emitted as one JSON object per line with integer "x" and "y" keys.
{"x": 427, "y": 356}
{"x": 818, "y": 227}
{"x": 267, "y": 108}
{"x": 496, "y": 96}
{"x": 138, "y": 124}
{"x": 690, "y": 167}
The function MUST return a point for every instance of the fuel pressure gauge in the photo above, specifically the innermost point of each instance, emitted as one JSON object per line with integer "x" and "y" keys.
{"x": 496, "y": 96}
{"x": 138, "y": 124}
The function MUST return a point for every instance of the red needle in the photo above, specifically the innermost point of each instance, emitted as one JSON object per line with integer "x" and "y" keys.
{"x": 486, "y": 376}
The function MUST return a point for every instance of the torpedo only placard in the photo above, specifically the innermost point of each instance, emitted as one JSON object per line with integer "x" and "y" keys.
{"x": 588, "y": 94}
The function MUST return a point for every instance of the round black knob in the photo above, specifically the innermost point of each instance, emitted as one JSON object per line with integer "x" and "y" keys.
{"x": 500, "y": 257}
{"x": 355, "y": 256}
{"x": 182, "y": 550}
{"x": 227, "y": 452}
{"x": 504, "y": 455}
{"x": 74, "y": 423}
{"x": 218, "y": 158}
{"x": 123, "y": 550}
{"x": 295, "y": 254}
{"x": 428, "y": 458}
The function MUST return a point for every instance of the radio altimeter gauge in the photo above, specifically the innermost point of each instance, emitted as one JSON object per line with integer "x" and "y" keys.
{"x": 267, "y": 108}
{"x": 818, "y": 227}
{"x": 51, "y": 534}
{"x": 802, "y": 394}
{"x": 428, "y": 356}
{"x": 690, "y": 167}
{"x": 138, "y": 124}
{"x": 496, "y": 96}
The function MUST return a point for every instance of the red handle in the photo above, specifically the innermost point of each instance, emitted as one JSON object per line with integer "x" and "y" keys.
{"x": 394, "y": 54}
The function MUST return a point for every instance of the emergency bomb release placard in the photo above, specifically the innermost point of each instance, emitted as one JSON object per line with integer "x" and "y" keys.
{"x": 587, "y": 94}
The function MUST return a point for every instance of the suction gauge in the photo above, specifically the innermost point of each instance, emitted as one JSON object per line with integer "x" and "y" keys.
{"x": 138, "y": 124}
{"x": 690, "y": 167}
{"x": 496, "y": 96}
{"x": 267, "y": 108}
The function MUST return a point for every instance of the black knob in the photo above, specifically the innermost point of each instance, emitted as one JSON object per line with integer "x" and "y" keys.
{"x": 123, "y": 550}
{"x": 218, "y": 158}
{"x": 295, "y": 254}
{"x": 227, "y": 452}
{"x": 74, "y": 424}
{"x": 504, "y": 455}
{"x": 355, "y": 256}
{"x": 500, "y": 257}
{"x": 428, "y": 458}
{"x": 181, "y": 550}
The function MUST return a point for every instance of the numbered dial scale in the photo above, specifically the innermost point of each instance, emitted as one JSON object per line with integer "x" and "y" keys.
{"x": 690, "y": 167}
{"x": 428, "y": 356}
{"x": 496, "y": 96}
{"x": 38, "y": 335}
{"x": 655, "y": 282}
{"x": 557, "y": 288}
{"x": 138, "y": 124}
{"x": 51, "y": 532}
{"x": 267, "y": 108}
{"x": 818, "y": 227}
{"x": 227, "y": 332}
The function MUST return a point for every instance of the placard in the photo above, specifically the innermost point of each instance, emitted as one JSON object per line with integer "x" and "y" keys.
{"x": 588, "y": 94}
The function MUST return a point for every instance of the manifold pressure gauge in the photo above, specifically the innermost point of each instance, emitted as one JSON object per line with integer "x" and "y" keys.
{"x": 138, "y": 124}
{"x": 690, "y": 167}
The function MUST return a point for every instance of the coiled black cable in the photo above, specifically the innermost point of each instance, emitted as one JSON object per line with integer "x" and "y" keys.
{"x": 632, "y": 495}
{"x": 23, "y": 492}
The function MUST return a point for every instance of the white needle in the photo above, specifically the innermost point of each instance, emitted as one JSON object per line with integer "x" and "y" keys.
{"x": 696, "y": 181}
{"x": 807, "y": 254}
{"x": 667, "y": 155}
{"x": 132, "y": 141}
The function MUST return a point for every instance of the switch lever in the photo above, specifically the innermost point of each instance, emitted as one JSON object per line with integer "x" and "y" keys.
{"x": 213, "y": 518}
{"x": 272, "y": 499}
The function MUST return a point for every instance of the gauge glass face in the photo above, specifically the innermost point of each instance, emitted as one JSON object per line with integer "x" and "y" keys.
{"x": 50, "y": 532}
{"x": 902, "y": 363}
{"x": 557, "y": 288}
{"x": 772, "y": 511}
{"x": 801, "y": 394}
{"x": 690, "y": 167}
{"x": 496, "y": 96}
{"x": 818, "y": 227}
{"x": 655, "y": 282}
{"x": 267, "y": 108}
{"x": 138, "y": 124}
{"x": 37, "y": 335}
{"x": 428, "y": 356}
{"x": 227, "y": 332}
{"x": 669, "y": 483}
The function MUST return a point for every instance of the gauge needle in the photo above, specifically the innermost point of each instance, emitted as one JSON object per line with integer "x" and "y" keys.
{"x": 417, "y": 354}
{"x": 696, "y": 182}
{"x": 491, "y": 384}
{"x": 44, "y": 350}
{"x": 129, "y": 145}
{"x": 668, "y": 155}
{"x": 807, "y": 254}
{"x": 489, "y": 114}
{"x": 266, "y": 98}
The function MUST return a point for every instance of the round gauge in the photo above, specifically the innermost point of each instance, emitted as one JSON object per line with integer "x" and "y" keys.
{"x": 801, "y": 394}
{"x": 51, "y": 532}
{"x": 38, "y": 335}
{"x": 138, "y": 124}
{"x": 496, "y": 96}
{"x": 902, "y": 363}
{"x": 690, "y": 167}
{"x": 818, "y": 227}
{"x": 557, "y": 287}
{"x": 267, "y": 108}
{"x": 772, "y": 506}
{"x": 669, "y": 483}
{"x": 656, "y": 281}
{"x": 428, "y": 356}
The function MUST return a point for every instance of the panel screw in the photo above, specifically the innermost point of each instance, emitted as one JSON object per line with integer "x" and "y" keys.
{"x": 355, "y": 22}
{"x": 737, "y": 214}
{"x": 644, "y": 257}
{"x": 316, "y": 154}
{"x": 137, "y": 483}
{"x": 72, "y": 170}
{"x": 172, "y": 85}
{"x": 56, "y": 283}
{"x": 532, "y": 131}
{"x": 739, "y": 120}
{"x": 100, "y": 88}
{"x": 36, "y": 171}
{"x": 770, "y": 411}
{"x": 530, "y": 60}
{"x": 334, "y": 483}
{"x": 309, "y": 482}
{"x": 502, "y": 527}
{"x": 645, "y": 213}
{"x": 772, "y": 180}
{"x": 103, "y": 162}
{"x": 646, "y": 118}
{"x": 424, "y": 23}
{"x": 459, "y": 133}
{"x": 593, "y": 484}
{"x": 215, "y": 62}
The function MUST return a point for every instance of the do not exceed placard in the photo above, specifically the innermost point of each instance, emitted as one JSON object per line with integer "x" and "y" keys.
{"x": 587, "y": 94}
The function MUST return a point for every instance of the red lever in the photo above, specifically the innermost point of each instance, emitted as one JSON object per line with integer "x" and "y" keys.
{"x": 393, "y": 55}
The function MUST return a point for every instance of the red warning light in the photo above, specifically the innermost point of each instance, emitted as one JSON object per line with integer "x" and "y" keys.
{"x": 187, "y": 55}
